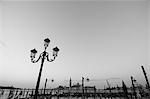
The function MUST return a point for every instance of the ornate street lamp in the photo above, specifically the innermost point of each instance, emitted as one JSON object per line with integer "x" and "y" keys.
{"x": 44, "y": 55}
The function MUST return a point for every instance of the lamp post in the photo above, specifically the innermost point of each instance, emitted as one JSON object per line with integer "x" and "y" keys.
{"x": 44, "y": 55}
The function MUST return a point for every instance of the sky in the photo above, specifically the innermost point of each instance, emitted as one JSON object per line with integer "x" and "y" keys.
{"x": 97, "y": 39}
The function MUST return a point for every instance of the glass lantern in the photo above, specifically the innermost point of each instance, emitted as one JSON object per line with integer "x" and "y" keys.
{"x": 55, "y": 51}
{"x": 87, "y": 79}
{"x": 33, "y": 53}
{"x": 46, "y": 42}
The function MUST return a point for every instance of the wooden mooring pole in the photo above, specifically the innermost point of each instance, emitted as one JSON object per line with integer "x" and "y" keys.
{"x": 134, "y": 92}
{"x": 146, "y": 78}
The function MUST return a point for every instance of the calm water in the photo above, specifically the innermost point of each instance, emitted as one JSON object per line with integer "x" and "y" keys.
{"x": 6, "y": 94}
{"x": 88, "y": 98}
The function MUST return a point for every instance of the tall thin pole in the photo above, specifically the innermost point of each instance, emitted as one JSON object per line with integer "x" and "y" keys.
{"x": 45, "y": 85}
{"x": 83, "y": 87}
{"x": 134, "y": 92}
{"x": 39, "y": 77}
{"x": 146, "y": 77}
{"x": 94, "y": 92}
{"x": 70, "y": 82}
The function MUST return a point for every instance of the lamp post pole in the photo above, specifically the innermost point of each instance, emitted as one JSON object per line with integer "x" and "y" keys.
{"x": 45, "y": 85}
{"x": 44, "y": 55}
{"x": 39, "y": 78}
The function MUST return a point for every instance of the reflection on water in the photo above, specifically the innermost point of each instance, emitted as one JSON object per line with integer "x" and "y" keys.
{"x": 87, "y": 98}
{"x": 27, "y": 93}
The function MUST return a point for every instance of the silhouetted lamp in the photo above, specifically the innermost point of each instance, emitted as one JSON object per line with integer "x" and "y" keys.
{"x": 87, "y": 79}
{"x": 46, "y": 42}
{"x": 33, "y": 53}
{"x": 44, "y": 55}
{"x": 55, "y": 51}
{"x": 134, "y": 80}
{"x": 52, "y": 80}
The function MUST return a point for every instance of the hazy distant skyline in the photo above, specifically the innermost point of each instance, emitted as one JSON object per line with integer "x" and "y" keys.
{"x": 99, "y": 40}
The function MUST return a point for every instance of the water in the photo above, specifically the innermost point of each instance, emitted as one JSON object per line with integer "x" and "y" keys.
{"x": 26, "y": 93}
{"x": 86, "y": 98}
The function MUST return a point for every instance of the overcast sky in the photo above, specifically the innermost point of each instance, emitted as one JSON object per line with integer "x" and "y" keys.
{"x": 100, "y": 40}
